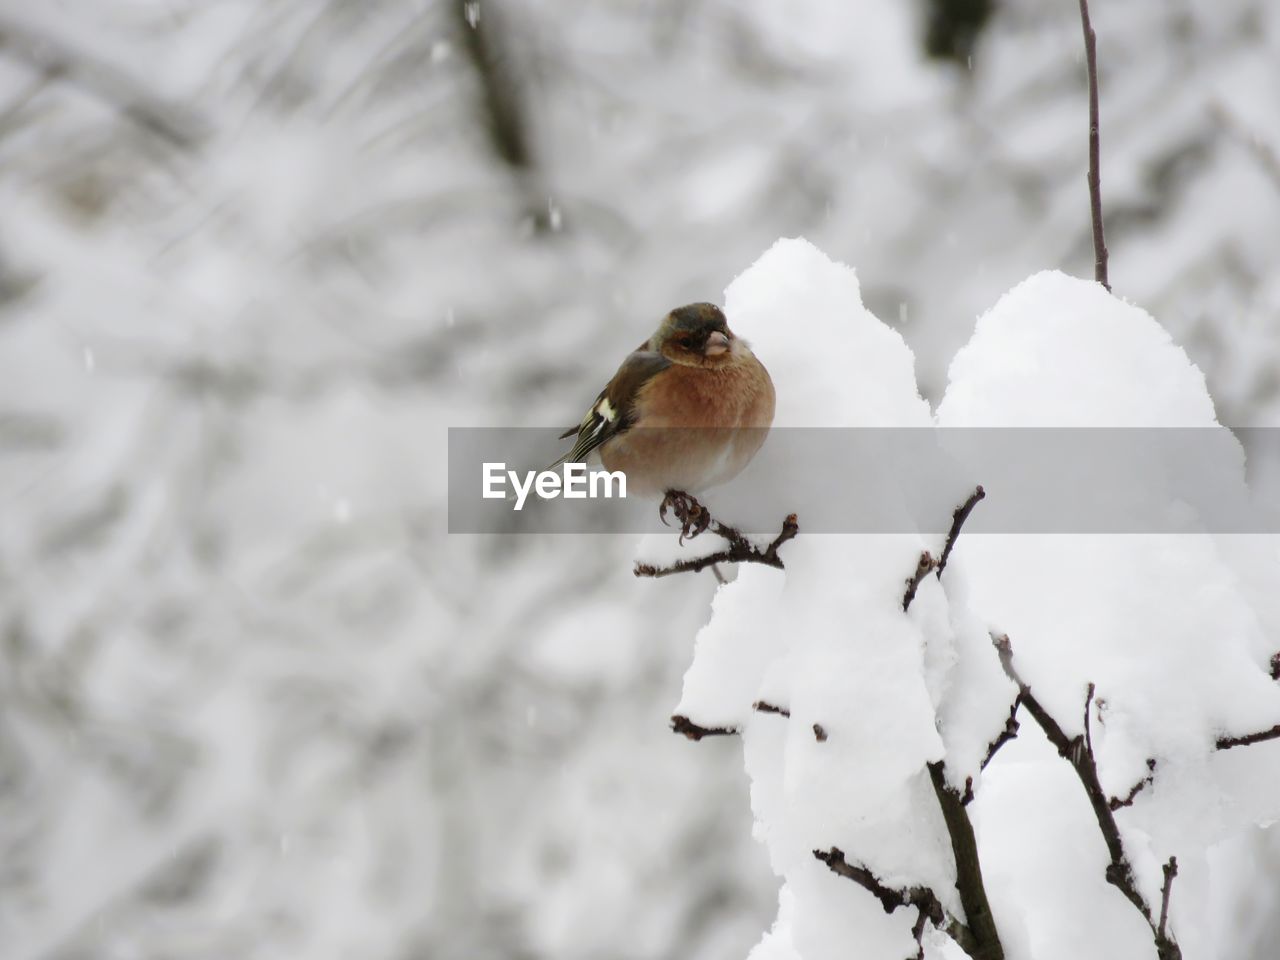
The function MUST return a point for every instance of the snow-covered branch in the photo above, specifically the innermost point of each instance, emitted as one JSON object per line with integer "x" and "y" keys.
{"x": 687, "y": 728}
{"x": 984, "y": 940}
{"x": 978, "y": 936}
{"x": 1247, "y": 739}
{"x": 958, "y": 517}
{"x": 921, "y": 898}
{"x": 1078, "y": 751}
{"x": 739, "y": 550}
{"x": 1117, "y": 803}
{"x": 924, "y": 566}
{"x": 1170, "y": 871}
{"x": 897, "y": 676}
{"x": 1010, "y": 732}
{"x": 927, "y": 564}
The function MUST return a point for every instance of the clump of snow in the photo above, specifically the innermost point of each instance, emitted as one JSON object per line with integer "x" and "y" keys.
{"x": 1160, "y": 623}
{"x": 1057, "y": 351}
{"x": 828, "y": 641}
{"x": 843, "y": 699}
{"x": 833, "y": 363}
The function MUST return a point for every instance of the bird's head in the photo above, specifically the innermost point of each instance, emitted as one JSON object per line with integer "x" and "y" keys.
{"x": 696, "y": 335}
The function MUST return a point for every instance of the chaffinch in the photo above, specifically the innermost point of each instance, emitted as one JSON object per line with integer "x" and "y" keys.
{"x": 686, "y": 411}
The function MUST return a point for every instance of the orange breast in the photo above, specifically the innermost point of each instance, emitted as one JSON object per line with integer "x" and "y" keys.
{"x": 698, "y": 429}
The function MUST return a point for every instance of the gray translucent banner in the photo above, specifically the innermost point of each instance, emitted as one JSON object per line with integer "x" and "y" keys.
{"x": 902, "y": 480}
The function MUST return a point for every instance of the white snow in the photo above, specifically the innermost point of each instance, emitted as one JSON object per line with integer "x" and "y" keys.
{"x": 829, "y": 641}
{"x": 1160, "y": 623}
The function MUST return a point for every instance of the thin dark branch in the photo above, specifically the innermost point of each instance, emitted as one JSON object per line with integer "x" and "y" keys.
{"x": 925, "y": 564}
{"x": 1170, "y": 871}
{"x": 687, "y": 728}
{"x": 1116, "y": 803}
{"x": 917, "y": 931}
{"x": 958, "y": 517}
{"x": 763, "y": 706}
{"x": 1010, "y": 731}
{"x": 1226, "y": 743}
{"x": 1095, "y": 149}
{"x": 891, "y": 899}
{"x": 739, "y": 550}
{"x": 1075, "y": 751}
{"x": 1088, "y": 733}
{"x": 983, "y": 941}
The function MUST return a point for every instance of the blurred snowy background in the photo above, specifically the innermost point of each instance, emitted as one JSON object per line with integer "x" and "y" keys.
{"x": 257, "y": 255}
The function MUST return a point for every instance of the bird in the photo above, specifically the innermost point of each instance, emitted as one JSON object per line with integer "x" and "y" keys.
{"x": 686, "y": 411}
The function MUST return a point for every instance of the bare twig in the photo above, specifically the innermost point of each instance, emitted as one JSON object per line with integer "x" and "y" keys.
{"x": 1095, "y": 150}
{"x": 981, "y": 938}
{"x": 891, "y": 899}
{"x": 763, "y": 706}
{"x": 1088, "y": 733}
{"x": 1222, "y": 743}
{"x": 925, "y": 564}
{"x": 740, "y": 550}
{"x": 1116, "y": 803}
{"x": 983, "y": 942}
{"x": 1170, "y": 871}
{"x": 685, "y": 727}
{"x": 958, "y": 518}
{"x": 917, "y": 931}
{"x": 1010, "y": 731}
{"x": 1011, "y": 728}
{"x": 1076, "y": 751}
{"x": 1226, "y": 743}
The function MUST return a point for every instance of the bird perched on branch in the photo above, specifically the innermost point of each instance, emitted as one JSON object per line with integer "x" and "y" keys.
{"x": 686, "y": 411}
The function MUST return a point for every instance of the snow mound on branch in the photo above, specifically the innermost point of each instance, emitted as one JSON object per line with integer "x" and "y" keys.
{"x": 843, "y": 700}
{"x": 1057, "y": 351}
{"x": 834, "y": 364}
{"x": 1162, "y": 624}
{"x": 828, "y": 640}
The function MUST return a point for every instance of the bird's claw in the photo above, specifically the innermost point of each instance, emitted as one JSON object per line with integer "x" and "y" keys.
{"x": 694, "y": 517}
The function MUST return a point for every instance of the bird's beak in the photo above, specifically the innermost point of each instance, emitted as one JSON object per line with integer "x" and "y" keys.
{"x": 717, "y": 344}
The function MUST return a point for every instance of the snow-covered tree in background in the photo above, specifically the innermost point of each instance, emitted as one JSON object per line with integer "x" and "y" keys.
{"x": 880, "y": 740}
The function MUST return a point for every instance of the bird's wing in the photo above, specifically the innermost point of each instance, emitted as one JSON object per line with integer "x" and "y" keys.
{"x": 614, "y": 409}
